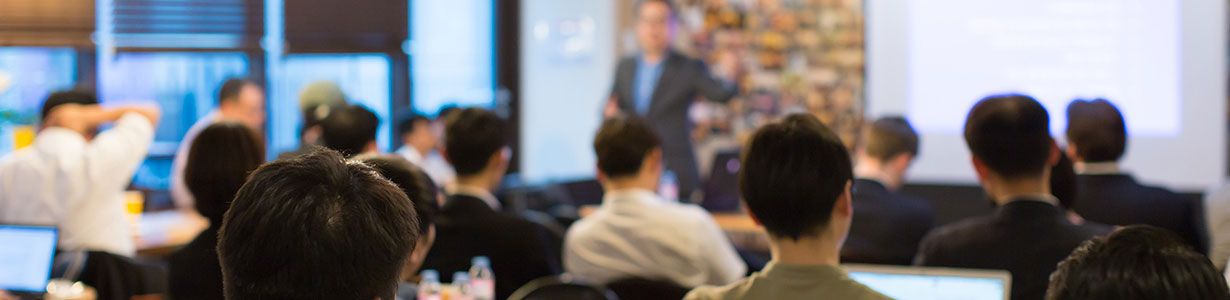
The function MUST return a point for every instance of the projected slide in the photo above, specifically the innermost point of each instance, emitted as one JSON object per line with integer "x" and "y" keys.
{"x": 1054, "y": 50}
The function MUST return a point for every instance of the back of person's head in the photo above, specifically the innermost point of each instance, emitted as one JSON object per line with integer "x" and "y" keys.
{"x": 1096, "y": 130}
{"x": 1010, "y": 135}
{"x": 1063, "y": 182}
{"x": 890, "y": 137}
{"x": 316, "y": 226}
{"x": 65, "y": 97}
{"x": 218, "y": 164}
{"x": 320, "y": 93}
{"x": 349, "y": 129}
{"x": 413, "y": 123}
{"x": 794, "y": 172}
{"x": 230, "y": 89}
{"x": 413, "y": 181}
{"x": 1136, "y": 263}
{"x": 475, "y": 135}
{"x": 623, "y": 144}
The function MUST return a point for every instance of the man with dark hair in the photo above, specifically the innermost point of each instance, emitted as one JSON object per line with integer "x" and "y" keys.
{"x": 1097, "y": 139}
{"x": 470, "y": 221}
{"x": 239, "y": 100}
{"x": 425, "y": 197}
{"x": 316, "y": 227}
{"x": 350, "y": 130}
{"x": 419, "y": 144}
{"x": 795, "y": 181}
{"x": 1010, "y": 141}
{"x": 73, "y": 176}
{"x": 887, "y": 225}
{"x": 693, "y": 252}
{"x": 660, "y": 84}
{"x": 1138, "y": 262}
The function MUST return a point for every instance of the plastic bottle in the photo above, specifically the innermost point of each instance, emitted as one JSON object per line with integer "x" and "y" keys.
{"x": 460, "y": 287}
{"x": 482, "y": 279}
{"x": 429, "y": 285}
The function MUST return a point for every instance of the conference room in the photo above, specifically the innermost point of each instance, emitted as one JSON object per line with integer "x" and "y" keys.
{"x": 614, "y": 149}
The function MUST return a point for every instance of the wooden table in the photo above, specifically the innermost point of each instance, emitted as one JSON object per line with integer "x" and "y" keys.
{"x": 160, "y": 233}
{"x": 739, "y": 227}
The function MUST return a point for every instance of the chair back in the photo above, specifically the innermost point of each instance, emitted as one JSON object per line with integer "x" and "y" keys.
{"x": 647, "y": 289}
{"x": 561, "y": 287}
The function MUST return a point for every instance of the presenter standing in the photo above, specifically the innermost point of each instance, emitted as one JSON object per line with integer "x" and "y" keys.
{"x": 660, "y": 84}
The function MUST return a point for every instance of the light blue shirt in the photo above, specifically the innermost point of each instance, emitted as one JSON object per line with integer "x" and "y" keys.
{"x": 647, "y": 75}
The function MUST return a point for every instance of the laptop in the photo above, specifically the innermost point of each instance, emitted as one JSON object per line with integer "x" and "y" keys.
{"x": 26, "y": 257}
{"x": 721, "y": 190}
{"x": 920, "y": 283}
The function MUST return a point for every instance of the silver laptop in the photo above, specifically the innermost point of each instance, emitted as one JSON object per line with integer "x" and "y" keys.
{"x": 26, "y": 256}
{"x": 921, "y": 283}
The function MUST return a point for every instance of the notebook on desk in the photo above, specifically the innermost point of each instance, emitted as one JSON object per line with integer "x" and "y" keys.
{"x": 26, "y": 257}
{"x": 920, "y": 283}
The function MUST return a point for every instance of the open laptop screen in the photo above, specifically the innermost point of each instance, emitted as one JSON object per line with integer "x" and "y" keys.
{"x": 917, "y": 283}
{"x": 26, "y": 254}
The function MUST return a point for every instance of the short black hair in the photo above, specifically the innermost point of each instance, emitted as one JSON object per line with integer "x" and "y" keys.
{"x": 1097, "y": 130}
{"x": 793, "y": 173}
{"x": 410, "y": 123}
{"x": 473, "y": 136}
{"x": 622, "y": 143}
{"x": 413, "y": 181}
{"x": 889, "y": 137}
{"x": 229, "y": 91}
{"x": 1137, "y": 262}
{"x": 1063, "y": 182}
{"x": 218, "y": 163}
{"x": 64, "y": 97}
{"x": 349, "y": 129}
{"x": 316, "y": 226}
{"x": 1010, "y": 134}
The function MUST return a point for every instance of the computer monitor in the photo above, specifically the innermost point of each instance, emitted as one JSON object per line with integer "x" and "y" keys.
{"x": 26, "y": 256}
{"x": 721, "y": 190}
{"x": 919, "y": 283}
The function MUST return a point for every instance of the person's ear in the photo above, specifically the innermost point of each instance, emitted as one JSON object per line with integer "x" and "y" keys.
{"x": 902, "y": 161}
{"x": 653, "y": 160}
{"x": 1052, "y": 158}
{"x": 980, "y": 168}
{"x": 601, "y": 176}
{"x": 371, "y": 147}
{"x": 1071, "y": 152}
{"x": 844, "y": 206}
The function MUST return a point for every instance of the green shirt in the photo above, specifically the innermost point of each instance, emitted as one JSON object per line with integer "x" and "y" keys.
{"x": 780, "y": 281}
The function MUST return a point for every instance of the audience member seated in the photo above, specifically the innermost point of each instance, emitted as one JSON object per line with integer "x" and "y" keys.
{"x": 1097, "y": 139}
{"x": 425, "y": 196}
{"x": 795, "y": 181}
{"x": 887, "y": 225}
{"x": 636, "y": 233}
{"x": 74, "y": 174}
{"x": 470, "y": 222}
{"x": 217, "y": 164}
{"x": 1137, "y": 262}
{"x": 316, "y": 227}
{"x": 1009, "y": 138}
{"x": 1064, "y": 188}
{"x": 316, "y": 102}
{"x": 239, "y": 100}
{"x": 350, "y": 130}
{"x": 419, "y": 143}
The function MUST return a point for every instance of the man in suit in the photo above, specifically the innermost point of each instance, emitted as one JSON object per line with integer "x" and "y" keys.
{"x": 887, "y": 225}
{"x": 1097, "y": 139}
{"x": 1028, "y": 234}
{"x": 470, "y": 223}
{"x": 659, "y": 85}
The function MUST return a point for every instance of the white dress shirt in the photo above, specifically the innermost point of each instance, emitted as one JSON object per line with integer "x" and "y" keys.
{"x": 179, "y": 189}
{"x": 636, "y": 233}
{"x": 433, "y": 164}
{"x": 77, "y": 185}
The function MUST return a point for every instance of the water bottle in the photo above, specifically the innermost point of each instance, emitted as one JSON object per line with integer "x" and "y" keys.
{"x": 668, "y": 186}
{"x": 460, "y": 289}
{"x": 482, "y": 279}
{"x": 429, "y": 285}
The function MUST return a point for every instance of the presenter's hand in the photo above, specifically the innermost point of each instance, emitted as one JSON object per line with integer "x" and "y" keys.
{"x": 612, "y": 108}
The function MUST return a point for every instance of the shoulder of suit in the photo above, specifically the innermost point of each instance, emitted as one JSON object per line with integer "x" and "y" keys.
{"x": 958, "y": 230}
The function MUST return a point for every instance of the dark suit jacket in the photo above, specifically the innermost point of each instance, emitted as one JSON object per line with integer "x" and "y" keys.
{"x": 887, "y": 226}
{"x": 193, "y": 272}
{"x": 1026, "y": 238}
{"x": 683, "y": 80}
{"x": 1117, "y": 199}
{"x": 468, "y": 227}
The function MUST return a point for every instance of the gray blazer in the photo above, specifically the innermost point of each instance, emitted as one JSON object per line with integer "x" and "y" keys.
{"x": 683, "y": 79}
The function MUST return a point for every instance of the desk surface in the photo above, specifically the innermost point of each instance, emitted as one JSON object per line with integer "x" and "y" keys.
{"x": 160, "y": 233}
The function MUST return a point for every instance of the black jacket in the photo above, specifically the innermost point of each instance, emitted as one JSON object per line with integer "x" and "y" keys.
{"x": 1117, "y": 199}
{"x": 468, "y": 227}
{"x": 683, "y": 79}
{"x": 887, "y": 226}
{"x": 1026, "y": 238}
{"x": 193, "y": 272}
